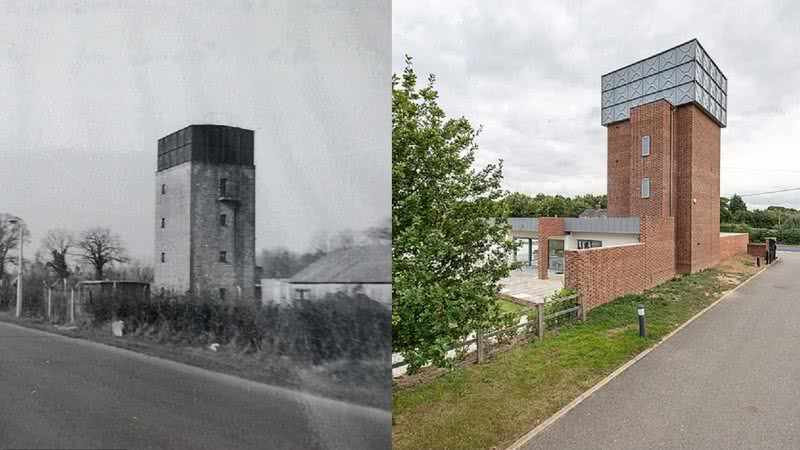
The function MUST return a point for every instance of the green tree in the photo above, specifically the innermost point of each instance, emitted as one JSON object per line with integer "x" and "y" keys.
{"x": 737, "y": 205}
{"x": 450, "y": 246}
{"x": 725, "y": 215}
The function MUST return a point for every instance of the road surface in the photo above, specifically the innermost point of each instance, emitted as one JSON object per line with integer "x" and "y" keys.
{"x": 68, "y": 393}
{"x": 731, "y": 379}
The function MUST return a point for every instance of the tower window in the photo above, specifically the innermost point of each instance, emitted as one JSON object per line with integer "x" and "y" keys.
{"x": 223, "y": 187}
{"x": 223, "y": 220}
{"x": 163, "y": 189}
{"x": 223, "y": 256}
{"x": 645, "y": 145}
{"x": 645, "y": 187}
{"x": 222, "y": 293}
{"x": 163, "y": 222}
{"x": 163, "y": 257}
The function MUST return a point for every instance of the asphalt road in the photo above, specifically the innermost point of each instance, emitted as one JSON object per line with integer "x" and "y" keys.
{"x": 788, "y": 248}
{"x": 57, "y": 392}
{"x": 731, "y": 379}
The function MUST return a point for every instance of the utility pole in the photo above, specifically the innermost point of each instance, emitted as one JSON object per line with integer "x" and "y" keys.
{"x": 17, "y": 221}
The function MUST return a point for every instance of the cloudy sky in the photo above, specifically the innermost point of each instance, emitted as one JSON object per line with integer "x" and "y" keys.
{"x": 529, "y": 72}
{"x": 88, "y": 87}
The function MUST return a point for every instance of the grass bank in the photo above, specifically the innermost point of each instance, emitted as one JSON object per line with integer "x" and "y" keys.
{"x": 493, "y": 404}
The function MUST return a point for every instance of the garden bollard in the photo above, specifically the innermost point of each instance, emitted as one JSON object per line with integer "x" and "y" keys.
{"x": 641, "y": 321}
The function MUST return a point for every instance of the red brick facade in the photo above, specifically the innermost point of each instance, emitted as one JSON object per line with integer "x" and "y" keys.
{"x": 603, "y": 274}
{"x": 697, "y": 153}
{"x": 548, "y": 226}
{"x": 679, "y": 221}
{"x": 683, "y": 170}
{"x": 733, "y": 244}
{"x": 757, "y": 249}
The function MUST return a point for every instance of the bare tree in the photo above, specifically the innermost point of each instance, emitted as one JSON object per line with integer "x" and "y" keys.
{"x": 58, "y": 243}
{"x": 99, "y": 246}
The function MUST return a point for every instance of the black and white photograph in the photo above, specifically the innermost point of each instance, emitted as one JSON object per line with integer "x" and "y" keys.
{"x": 195, "y": 224}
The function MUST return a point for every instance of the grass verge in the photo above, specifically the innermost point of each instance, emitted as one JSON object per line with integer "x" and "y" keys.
{"x": 491, "y": 405}
{"x": 360, "y": 382}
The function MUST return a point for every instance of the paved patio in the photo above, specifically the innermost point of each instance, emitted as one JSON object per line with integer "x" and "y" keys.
{"x": 524, "y": 285}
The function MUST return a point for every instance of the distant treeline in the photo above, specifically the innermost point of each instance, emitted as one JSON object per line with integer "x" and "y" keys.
{"x": 774, "y": 221}
{"x": 543, "y": 205}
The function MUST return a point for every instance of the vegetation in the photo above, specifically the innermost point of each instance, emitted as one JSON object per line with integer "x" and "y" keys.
{"x": 491, "y": 405}
{"x": 336, "y": 327}
{"x": 542, "y": 205}
{"x": 775, "y": 221}
{"x": 450, "y": 247}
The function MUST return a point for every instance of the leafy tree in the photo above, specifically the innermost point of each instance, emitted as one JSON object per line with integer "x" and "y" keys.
{"x": 737, "y": 206}
{"x": 99, "y": 247}
{"x": 450, "y": 245}
{"x": 725, "y": 215}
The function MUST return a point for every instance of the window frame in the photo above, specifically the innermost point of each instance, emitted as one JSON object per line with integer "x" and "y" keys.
{"x": 223, "y": 256}
{"x": 223, "y": 187}
{"x": 645, "y": 193}
{"x": 223, "y": 220}
{"x": 582, "y": 243}
{"x": 646, "y": 148}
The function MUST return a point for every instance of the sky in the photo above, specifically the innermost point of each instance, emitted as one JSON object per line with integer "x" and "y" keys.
{"x": 88, "y": 87}
{"x": 529, "y": 73}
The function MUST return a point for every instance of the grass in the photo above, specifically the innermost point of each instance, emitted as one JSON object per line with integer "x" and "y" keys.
{"x": 493, "y": 404}
{"x": 508, "y": 307}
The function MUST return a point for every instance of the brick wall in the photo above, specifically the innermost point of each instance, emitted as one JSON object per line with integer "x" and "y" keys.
{"x": 605, "y": 273}
{"x": 236, "y": 238}
{"x": 733, "y": 244}
{"x": 757, "y": 249}
{"x": 548, "y": 226}
{"x": 619, "y": 181}
{"x": 654, "y": 120}
{"x": 697, "y": 153}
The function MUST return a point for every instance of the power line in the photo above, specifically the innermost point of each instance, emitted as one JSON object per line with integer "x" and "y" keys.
{"x": 770, "y": 192}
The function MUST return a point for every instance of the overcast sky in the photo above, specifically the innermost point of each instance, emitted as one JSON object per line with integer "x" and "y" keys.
{"x": 87, "y": 89}
{"x": 529, "y": 72}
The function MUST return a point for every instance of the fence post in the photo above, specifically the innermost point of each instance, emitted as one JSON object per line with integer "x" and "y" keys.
{"x": 582, "y": 302}
{"x": 72, "y": 305}
{"x": 540, "y": 314}
{"x": 479, "y": 344}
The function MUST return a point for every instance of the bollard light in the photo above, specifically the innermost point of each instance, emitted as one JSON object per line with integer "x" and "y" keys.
{"x": 641, "y": 321}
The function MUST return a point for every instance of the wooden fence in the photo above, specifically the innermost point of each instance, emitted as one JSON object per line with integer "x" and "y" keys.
{"x": 554, "y": 310}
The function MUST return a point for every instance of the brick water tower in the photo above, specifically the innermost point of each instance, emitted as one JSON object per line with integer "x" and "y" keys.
{"x": 205, "y": 212}
{"x": 664, "y": 115}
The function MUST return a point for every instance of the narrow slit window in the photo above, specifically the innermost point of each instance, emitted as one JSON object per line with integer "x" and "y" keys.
{"x": 223, "y": 187}
{"x": 223, "y": 220}
{"x": 163, "y": 257}
{"x": 645, "y": 187}
{"x": 645, "y": 145}
{"x": 163, "y": 222}
{"x": 163, "y": 189}
{"x": 223, "y": 256}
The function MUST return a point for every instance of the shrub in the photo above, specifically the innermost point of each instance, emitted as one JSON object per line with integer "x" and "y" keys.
{"x": 316, "y": 331}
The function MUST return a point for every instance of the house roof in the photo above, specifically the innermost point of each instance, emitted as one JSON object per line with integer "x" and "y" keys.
{"x": 594, "y": 213}
{"x": 357, "y": 265}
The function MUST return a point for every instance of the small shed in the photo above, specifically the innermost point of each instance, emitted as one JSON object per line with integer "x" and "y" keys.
{"x": 366, "y": 269}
